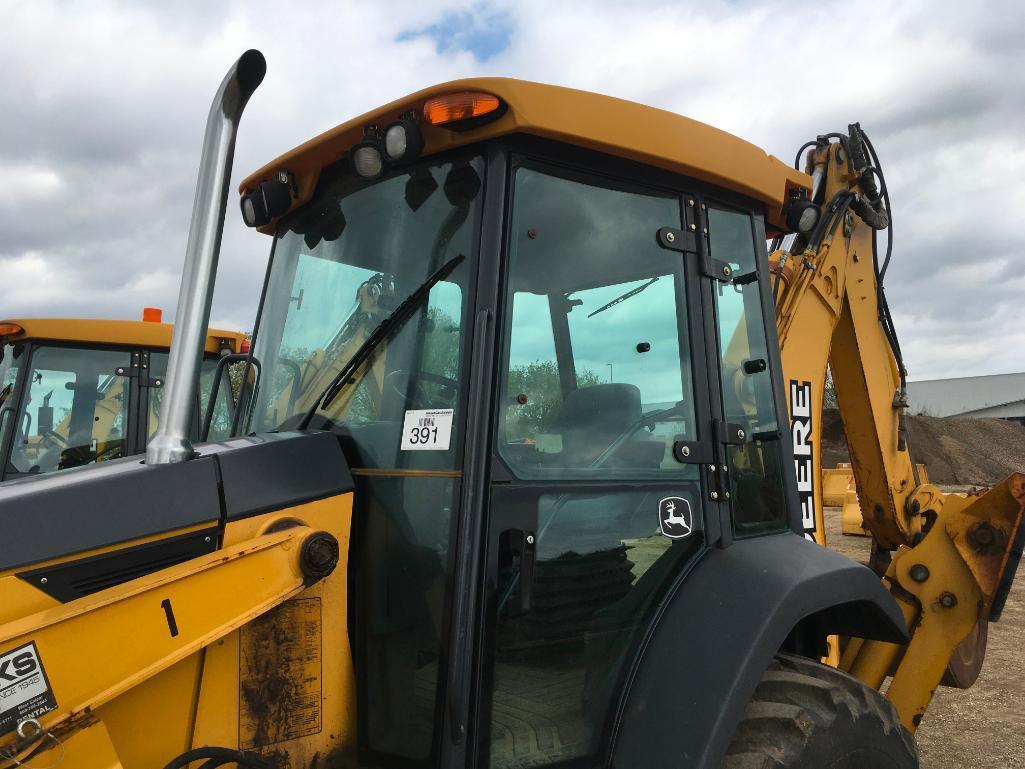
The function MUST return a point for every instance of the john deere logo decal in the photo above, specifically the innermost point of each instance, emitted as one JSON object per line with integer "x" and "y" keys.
{"x": 675, "y": 518}
{"x": 804, "y": 457}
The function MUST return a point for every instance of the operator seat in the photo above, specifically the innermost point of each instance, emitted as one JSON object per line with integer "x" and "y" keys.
{"x": 593, "y": 417}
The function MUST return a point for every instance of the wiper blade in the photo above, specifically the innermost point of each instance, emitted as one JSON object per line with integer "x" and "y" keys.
{"x": 623, "y": 298}
{"x": 384, "y": 329}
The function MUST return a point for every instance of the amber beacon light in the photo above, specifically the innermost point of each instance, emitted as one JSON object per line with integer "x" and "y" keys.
{"x": 465, "y": 109}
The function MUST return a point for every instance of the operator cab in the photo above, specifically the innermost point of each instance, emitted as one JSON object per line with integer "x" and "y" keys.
{"x": 77, "y": 392}
{"x": 576, "y": 411}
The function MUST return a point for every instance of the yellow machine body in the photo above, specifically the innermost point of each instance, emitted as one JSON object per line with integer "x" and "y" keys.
{"x": 103, "y": 332}
{"x": 235, "y": 647}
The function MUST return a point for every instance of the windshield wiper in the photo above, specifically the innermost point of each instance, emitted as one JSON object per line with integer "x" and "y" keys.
{"x": 624, "y": 297}
{"x": 384, "y": 329}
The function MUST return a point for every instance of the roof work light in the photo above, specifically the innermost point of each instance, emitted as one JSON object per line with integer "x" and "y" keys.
{"x": 403, "y": 141}
{"x": 268, "y": 201}
{"x": 802, "y": 215}
{"x": 368, "y": 155}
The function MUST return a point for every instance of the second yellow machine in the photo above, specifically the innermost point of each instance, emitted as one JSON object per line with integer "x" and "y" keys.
{"x": 77, "y": 391}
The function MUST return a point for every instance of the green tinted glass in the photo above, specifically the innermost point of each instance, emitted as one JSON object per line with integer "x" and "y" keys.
{"x": 756, "y": 466}
{"x": 75, "y": 411}
{"x": 597, "y": 371}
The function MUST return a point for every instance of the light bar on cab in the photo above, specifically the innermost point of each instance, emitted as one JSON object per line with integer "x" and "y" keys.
{"x": 463, "y": 110}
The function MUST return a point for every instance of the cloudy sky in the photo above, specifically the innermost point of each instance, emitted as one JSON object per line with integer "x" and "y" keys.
{"x": 103, "y": 109}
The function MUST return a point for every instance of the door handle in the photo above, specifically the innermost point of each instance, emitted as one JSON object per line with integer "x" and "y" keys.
{"x": 522, "y": 545}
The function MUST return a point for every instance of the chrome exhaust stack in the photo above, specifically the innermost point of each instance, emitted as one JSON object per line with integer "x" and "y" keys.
{"x": 177, "y": 409}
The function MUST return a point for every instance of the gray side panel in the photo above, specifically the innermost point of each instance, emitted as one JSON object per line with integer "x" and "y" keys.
{"x": 54, "y": 515}
{"x": 716, "y": 637}
{"x": 275, "y": 471}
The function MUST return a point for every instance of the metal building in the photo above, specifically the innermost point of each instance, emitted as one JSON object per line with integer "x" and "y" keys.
{"x": 999, "y": 396}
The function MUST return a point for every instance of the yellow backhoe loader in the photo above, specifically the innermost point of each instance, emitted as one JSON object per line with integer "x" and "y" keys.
{"x": 78, "y": 391}
{"x": 515, "y": 482}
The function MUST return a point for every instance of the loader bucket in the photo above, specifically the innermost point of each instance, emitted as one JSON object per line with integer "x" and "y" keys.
{"x": 835, "y": 483}
{"x": 852, "y": 523}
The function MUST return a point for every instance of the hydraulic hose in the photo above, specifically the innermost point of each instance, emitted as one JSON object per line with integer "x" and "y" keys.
{"x": 872, "y": 205}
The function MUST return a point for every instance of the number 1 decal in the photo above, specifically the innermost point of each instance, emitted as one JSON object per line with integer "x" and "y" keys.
{"x": 169, "y": 614}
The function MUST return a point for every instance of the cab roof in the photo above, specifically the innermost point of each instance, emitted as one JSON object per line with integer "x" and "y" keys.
{"x": 132, "y": 333}
{"x": 613, "y": 126}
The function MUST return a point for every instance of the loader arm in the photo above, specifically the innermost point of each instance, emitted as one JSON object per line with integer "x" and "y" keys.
{"x": 249, "y": 579}
{"x": 241, "y": 647}
{"x": 952, "y": 558}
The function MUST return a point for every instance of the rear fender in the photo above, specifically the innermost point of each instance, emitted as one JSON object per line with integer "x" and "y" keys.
{"x": 716, "y": 635}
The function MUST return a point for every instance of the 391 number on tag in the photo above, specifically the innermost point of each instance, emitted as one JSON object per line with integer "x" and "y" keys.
{"x": 427, "y": 430}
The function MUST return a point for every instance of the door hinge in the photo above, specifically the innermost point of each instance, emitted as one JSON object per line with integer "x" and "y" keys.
{"x": 693, "y": 452}
{"x": 686, "y": 242}
{"x": 717, "y": 481}
{"x": 717, "y": 471}
{"x": 139, "y": 370}
{"x": 712, "y": 461}
{"x": 704, "y": 454}
{"x": 729, "y": 434}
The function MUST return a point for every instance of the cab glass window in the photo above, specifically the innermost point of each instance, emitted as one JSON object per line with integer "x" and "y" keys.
{"x": 338, "y": 271}
{"x": 10, "y": 357}
{"x": 75, "y": 410}
{"x": 220, "y": 422}
{"x": 596, "y": 377}
{"x": 756, "y": 464}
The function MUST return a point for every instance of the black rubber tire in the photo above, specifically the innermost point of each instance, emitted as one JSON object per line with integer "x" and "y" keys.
{"x": 805, "y": 715}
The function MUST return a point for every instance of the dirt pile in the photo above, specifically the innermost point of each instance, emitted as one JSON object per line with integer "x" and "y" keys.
{"x": 955, "y": 451}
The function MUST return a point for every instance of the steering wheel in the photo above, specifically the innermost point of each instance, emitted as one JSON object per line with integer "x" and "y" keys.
{"x": 397, "y": 382}
{"x": 54, "y": 437}
{"x": 111, "y": 451}
{"x": 51, "y": 441}
{"x": 77, "y": 456}
{"x": 676, "y": 410}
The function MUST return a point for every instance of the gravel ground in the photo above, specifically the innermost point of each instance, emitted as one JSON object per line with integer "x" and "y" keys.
{"x": 956, "y": 451}
{"x": 982, "y": 727}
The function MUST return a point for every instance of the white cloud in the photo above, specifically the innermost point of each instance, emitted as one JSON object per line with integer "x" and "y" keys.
{"x": 34, "y": 183}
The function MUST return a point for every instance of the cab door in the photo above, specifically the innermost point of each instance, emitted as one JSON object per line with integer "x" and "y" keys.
{"x": 594, "y": 511}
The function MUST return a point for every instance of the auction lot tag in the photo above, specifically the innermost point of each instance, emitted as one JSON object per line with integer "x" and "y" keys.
{"x": 24, "y": 690}
{"x": 427, "y": 430}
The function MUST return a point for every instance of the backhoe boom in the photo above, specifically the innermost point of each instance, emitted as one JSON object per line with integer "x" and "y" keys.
{"x": 951, "y": 556}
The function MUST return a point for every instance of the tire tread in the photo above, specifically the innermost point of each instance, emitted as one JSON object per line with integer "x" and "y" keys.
{"x": 796, "y": 699}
